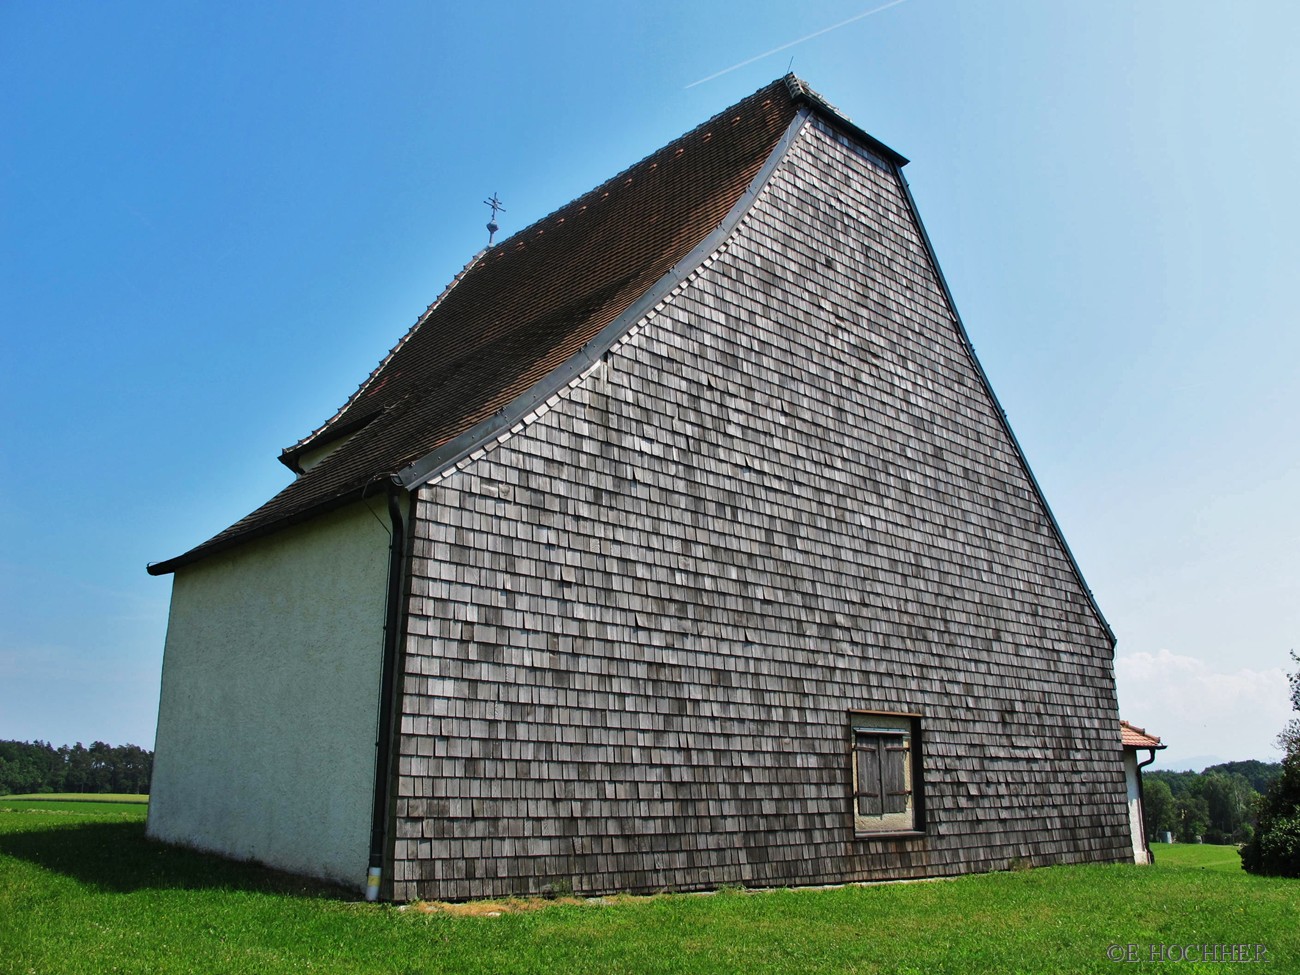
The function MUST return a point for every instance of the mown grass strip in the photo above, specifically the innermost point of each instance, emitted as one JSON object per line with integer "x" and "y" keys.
{"x": 90, "y": 894}
{"x": 77, "y": 797}
{"x": 77, "y": 808}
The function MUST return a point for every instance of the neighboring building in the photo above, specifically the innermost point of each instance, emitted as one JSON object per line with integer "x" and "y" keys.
{"x": 680, "y": 542}
{"x": 1136, "y": 739}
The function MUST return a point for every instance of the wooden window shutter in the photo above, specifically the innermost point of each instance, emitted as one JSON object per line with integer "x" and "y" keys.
{"x": 866, "y": 749}
{"x": 893, "y": 773}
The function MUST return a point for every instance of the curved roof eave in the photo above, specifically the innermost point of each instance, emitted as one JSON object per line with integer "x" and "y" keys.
{"x": 580, "y": 363}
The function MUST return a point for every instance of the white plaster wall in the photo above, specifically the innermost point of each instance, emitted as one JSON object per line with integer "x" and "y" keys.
{"x": 1136, "y": 827}
{"x": 270, "y": 688}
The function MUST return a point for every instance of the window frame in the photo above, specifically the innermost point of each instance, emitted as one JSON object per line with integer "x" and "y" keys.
{"x": 887, "y": 732}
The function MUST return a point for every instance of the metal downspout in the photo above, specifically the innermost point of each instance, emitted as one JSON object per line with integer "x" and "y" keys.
{"x": 1142, "y": 806}
{"x": 381, "y": 812}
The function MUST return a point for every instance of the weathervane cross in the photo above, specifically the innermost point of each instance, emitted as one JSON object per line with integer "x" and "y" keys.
{"x": 492, "y": 227}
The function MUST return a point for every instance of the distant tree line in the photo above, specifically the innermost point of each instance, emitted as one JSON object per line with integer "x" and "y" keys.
{"x": 1217, "y": 805}
{"x": 37, "y": 766}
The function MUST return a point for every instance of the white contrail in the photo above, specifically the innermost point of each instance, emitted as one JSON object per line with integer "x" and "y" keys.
{"x": 818, "y": 33}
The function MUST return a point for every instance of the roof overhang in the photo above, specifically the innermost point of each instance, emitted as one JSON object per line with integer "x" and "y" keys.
{"x": 377, "y": 486}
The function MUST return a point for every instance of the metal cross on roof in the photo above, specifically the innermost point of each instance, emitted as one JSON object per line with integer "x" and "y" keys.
{"x": 492, "y": 227}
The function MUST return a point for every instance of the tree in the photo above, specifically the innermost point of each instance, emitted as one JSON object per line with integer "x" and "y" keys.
{"x": 1193, "y": 814}
{"x": 38, "y": 766}
{"x": 77, "y": 772}
{"x": 29, "y": 767}
{"x": 132, "y": 769}
{"x": 1230, "y": 803}
{"x": 1275, "y": 847}
{"x": 1289, "y": 739}
{"x": 1180, "y": 783}
{"x": 1158, "y": 808}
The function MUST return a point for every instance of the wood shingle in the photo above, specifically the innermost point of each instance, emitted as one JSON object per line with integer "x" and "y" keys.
{"x": 703, "y": 485}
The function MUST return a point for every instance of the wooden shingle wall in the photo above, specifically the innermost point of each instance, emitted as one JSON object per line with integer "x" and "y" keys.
{"x": 638, "y": 625}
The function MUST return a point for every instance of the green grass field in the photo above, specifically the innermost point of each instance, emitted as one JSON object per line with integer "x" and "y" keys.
{"x": 82, "y": 891}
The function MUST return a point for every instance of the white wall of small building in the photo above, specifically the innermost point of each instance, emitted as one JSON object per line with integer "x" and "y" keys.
{"x": 267, "y": 719}
{"x": 1136, "y": 826}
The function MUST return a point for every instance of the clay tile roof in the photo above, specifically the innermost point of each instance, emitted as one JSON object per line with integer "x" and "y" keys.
{"x": 1135, "y": 737}
{"x": 528, "y": 304}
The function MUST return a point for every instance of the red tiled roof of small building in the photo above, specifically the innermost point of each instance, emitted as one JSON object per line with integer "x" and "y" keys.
{"x": 1135, "y": 737}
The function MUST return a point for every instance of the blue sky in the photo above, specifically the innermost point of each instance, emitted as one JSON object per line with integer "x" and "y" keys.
{"x": 216, "y": 218}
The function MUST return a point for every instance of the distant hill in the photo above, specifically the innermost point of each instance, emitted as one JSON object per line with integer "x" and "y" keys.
{"x": 1260, "y": 775}
{"x": 1189, "y": 764}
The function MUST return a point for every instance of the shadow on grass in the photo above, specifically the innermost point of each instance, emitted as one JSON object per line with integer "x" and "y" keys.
{"x": 117, "y": 857}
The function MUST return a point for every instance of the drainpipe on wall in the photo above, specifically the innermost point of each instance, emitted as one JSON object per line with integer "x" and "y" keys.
{"x": 1142, "y": 806}
{"x": 381, "y": 813}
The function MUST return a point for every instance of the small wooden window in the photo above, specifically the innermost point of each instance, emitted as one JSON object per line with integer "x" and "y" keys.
{"x": 884, "y": 773}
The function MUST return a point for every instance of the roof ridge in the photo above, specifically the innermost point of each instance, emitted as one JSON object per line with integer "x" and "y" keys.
{"x": 619, "y": 329}
{"x": 289, "y": 455}
{"x": 622, "y": 174}
{"x": 800, "y": 90}
{"x": 803, "y": 94}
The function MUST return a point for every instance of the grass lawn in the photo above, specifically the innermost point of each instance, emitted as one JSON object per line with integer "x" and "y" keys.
{"x": 82, "y": 891}
{"x": 1206, "y": 857}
